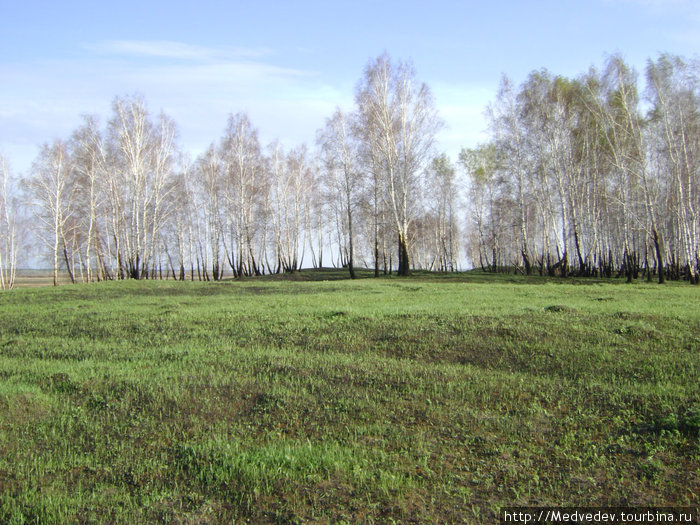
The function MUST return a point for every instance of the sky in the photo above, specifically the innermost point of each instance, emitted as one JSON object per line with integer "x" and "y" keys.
{"x": 289, "y": 64}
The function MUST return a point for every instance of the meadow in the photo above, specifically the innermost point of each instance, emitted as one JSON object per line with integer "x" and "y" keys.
{"x": 315, "y": 399}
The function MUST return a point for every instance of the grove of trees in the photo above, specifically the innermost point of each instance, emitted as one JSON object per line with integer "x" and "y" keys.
{"x": 590, "y": 176}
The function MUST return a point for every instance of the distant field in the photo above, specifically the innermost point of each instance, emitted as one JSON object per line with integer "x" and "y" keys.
{"x": 31, "y": 278}
{"x": 436, "y": 398}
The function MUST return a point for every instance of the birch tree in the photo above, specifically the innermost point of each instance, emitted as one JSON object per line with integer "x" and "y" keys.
{"x": 674, "y": 91}
{"x": 399, "y": 122}
{"x": 141, "y": 161}
{"x": 289, "y": 175}
{"x": 90, "y": 168}
{"x": 343, "y": 177}
{"x": 243, "y": 175}
{"x": 8, "y": 229}
{"x": 486, "y": 193}
{"x": 209, "y": 196}
{"x": 510, "y": 135}
{"x": 441, "y": 194}
{"x": 52, "y": 194}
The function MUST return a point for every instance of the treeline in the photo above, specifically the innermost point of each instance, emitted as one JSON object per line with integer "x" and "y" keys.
{"x": 591, "y": 175}
{"x": 122, "y": 201}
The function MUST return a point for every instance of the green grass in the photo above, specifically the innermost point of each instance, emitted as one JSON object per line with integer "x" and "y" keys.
{"x": 437, "y": 398}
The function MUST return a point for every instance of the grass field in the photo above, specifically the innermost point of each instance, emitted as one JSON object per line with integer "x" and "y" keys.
{"x": 431, "y": 399}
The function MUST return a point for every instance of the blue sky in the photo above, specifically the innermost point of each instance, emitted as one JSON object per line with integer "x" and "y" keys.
{"x": 289, "y": 64}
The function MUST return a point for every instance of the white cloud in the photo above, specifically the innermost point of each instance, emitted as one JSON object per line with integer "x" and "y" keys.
{"x": 198, "y": 87}
{"x": 45, "y": 100}
{"x": 176, "y": 50}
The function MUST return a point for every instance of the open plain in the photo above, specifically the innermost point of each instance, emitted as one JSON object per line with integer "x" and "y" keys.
{"x": 311, "y": 398}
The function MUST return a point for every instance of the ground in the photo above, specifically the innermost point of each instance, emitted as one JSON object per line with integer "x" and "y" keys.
{"x": 314, "y": 399}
